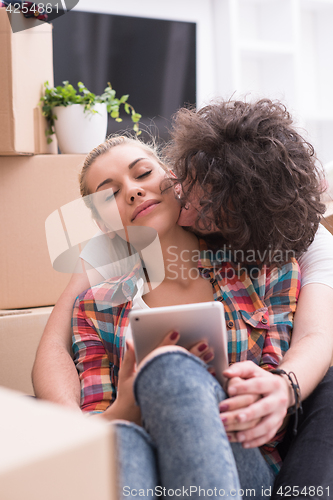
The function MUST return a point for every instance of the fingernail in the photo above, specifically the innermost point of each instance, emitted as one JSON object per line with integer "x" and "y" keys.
{"x": 208, "y": 356}
{"x": 202, "y": 347}
{"x": 213, "y": 373}
{"x": 242, "y": 417}
{"x": 240, "y": 437}
{"x": 224, "y": 419}
{"x": 229, "y": 437}
{"x": 174, "y": 335}
{"x": 223, "y": 407}
{"x": 245, "y": 445}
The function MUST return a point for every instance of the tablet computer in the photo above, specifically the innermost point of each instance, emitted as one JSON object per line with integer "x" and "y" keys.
{"x": 203, "y": 321}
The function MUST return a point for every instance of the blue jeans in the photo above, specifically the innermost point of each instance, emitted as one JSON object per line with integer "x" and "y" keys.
{"x": 182, "y": 449}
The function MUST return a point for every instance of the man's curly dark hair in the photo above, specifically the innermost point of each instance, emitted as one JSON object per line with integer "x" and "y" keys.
{"x": 259, "y": 179}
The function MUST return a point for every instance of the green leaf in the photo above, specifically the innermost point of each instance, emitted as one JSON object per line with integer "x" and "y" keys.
{"x": 109, "y": 93}
{"x": 135, "y": 117}
{"x": 66, "y": 94}
{"x": 124, "y": 98}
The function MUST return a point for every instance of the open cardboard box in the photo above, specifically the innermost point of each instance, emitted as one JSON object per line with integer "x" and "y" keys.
{"x": 50, "y": 452}
{"x": 26, "y": 62}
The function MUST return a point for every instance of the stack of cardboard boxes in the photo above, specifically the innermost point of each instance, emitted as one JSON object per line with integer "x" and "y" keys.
{"x": 34, "y": 182}
{"x": 46, "y": 451}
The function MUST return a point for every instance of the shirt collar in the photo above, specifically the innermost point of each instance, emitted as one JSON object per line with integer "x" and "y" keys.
{"x": 123, "y": 288}
{"x": 222, "y": 271}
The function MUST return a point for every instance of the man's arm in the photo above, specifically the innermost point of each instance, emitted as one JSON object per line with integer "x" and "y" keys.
{"x": 311, "y": 348}
{"x": 54, "y": 374}
{"x": 281, "y": 294}
{"x": 309, "y": 357}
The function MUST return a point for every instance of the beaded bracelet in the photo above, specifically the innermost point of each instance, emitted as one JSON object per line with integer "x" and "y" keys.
{"x": 292, "y": 410}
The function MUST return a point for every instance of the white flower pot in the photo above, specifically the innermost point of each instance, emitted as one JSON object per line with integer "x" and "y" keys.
{"x": 79, "y": 131}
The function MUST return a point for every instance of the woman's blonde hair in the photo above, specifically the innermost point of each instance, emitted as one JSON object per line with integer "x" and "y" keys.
{"x": 111, "y": 142}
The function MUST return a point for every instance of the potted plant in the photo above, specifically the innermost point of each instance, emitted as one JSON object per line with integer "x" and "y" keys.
{"x": 79, "y": 118}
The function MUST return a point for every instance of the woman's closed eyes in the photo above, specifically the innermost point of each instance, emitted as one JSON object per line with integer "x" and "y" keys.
{"x": 145, "y": 174}
{"x": 112, "y": 195}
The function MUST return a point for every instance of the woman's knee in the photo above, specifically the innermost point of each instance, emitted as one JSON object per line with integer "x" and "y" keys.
{"x": 130, "y": 436}
{"x": 174, "y": 371}
{"x": 136, "y": 458}
{"x": 171, "y": 362}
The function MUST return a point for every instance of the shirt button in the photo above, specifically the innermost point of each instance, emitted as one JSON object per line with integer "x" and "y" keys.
{"x": 230, "y": 324}
{"x": 264, "y": 321}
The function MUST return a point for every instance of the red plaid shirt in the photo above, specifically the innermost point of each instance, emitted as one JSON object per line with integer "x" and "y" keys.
{"x": 259, "y": 306}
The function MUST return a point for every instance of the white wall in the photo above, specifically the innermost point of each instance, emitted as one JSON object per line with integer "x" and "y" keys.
{"x": 275, "y": 48}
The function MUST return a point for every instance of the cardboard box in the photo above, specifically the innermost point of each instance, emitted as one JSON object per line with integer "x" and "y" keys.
{"x": 327, "y": 220}
{"x": 20, "y": 333}
{"x": 50, "y": 452}
{"x": 31, "y": 188}
{"x": 26, "y": 62}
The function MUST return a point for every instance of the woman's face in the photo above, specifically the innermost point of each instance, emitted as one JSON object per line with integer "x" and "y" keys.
{"x": 127, "y": 183}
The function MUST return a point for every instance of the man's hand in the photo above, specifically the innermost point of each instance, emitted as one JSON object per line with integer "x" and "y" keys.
{"x": 269, "y": 410}
{"x": 231, "y": 411}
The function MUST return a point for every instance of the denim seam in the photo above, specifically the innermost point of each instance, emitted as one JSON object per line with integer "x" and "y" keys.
{"x": 136, "y": 428}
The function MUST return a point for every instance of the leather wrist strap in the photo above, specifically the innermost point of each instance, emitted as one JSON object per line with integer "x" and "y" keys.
{"x": 297, "y": 406}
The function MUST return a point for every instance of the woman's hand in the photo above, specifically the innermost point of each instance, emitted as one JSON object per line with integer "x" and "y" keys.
{"x": 125, "y": 407}
{"x": 200, "y": 349}
{"x": 269, "y": 410}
